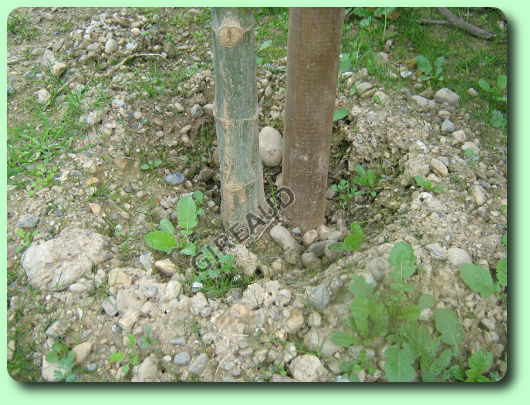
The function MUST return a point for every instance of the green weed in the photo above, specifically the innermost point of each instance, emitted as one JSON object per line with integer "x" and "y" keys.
{"x": 427, "y": 185}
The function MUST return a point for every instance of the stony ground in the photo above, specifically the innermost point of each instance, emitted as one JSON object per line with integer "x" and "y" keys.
{"x": 122, "y": 100}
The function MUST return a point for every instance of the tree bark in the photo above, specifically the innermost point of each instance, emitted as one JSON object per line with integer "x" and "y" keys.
{"x": 313, "y": 48}
{"x": 236, "y": 116}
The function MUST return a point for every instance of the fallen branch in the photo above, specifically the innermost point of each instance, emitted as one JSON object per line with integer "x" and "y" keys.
{"x": 460, "y": 23}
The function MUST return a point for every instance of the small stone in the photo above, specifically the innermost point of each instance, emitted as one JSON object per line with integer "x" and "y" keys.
{"x": 109, "y": 306}
{"x": 198, "y": 364}
{"x": 310, "y": 260}
{"x": 472, "y": 92}
{"x": 166, "y": 267}
{"x": 458, "y": 257}
{"x": 436, "y": 250}
{"x": 363, "y": 87}
{"x": 245, "y": 259}
{"x": 478, "y": 195}
{"x": 320, "y": 297}
{"x": 127, "y": 321}
{"x": 295, "y": 322}
{"x": 28, "y": 222}
{"x": 314, "y": 319}
{"x": 82, "y": 351}
{"x": 43, "y": 96}
{"x": 182, "y": 358}
{"x": 174, "y": 178}
{"x": 194, "y": 12}
{"x": 323, "y": 232}
{"x": 377, "y": 267}
{"x": 446, "y": 96}
{"x": 59, "y": 68}
{"x": 472, "y": 146}
{"x": 135, "y": 31}
{"x": 173, "y": 290}
{"x": 306, "y": 368}
{"x": 459, "y": 137}
{"x": 117, "y": 103}
{"x": 253, "y": 296}
{"x": 284, "y": 238}
{"x": 488, "y": 323}
{"x": 147, "y": 371}
{"x": 309, "y": 237}
{"x": 118, "y": 276}
{"x": 95, "y": 208}
{"x": 439, "y": 168}
{"x": 380, "y": 97}
{"x": 111, "y": 46}
{"x": 48, "y": 370}
{"x": 448, "y": 126}
{"x": 270, "y": 146}
{"x": 268, "y": 91}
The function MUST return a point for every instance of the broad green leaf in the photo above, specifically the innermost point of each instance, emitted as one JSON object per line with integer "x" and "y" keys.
{"x": 265, "y": 45}
{"x": 145, "y": 166}
{"x": 447, "y": 323}
{"x": 502, "y": 272}
{"x": 359, "y": 287}
{"x": 424, "y": 64}
{"x": 402, "y": 286}
{"x": 345, "y": 63}
{"x": 438, "y": 365}
{"x": 380, "y": 318}
{"x": 504, "y": 239}
{"x": 478, "y": 279}
{"x": 501, "y": 82}
{"x": 439, "y": 64}
{"x": 354, "y": 377}
{"x": 398, "y": 364}
{"x": 403, "y": 261}
{"x": 131, "y": 340}
{"x": 497, "y": 119}
{"x": 162, "y": 241}
{"x": 361, "y": 12}
{"x": 343, "y": 339}
{"x": 340, "y": 114}
{"x": 409, "y": 313}
{"x": 52, "y": 357}
{"x": 426, "y": 301}
{"x": 190, "y": 249}
{"x": 359, "y": 310}
{"x": 354, "y": 240}
{"x": 484, "y": 85}
{"x": 166, "y": 226}
{"x": 187, "y": 212}
{"x": 125, "y": 369}
{"x": 117, "y": 357}
{"x": 478, "y": 363}
{"x": 198, "y": 196}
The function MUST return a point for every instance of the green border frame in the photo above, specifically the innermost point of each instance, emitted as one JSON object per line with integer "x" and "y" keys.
{"x": 514, "y": 388}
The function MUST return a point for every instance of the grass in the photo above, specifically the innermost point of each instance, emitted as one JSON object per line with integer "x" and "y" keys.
{"x": 20, "y": 27}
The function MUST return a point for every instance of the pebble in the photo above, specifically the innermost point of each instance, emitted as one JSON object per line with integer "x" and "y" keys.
{"x": 118, "y": 276}
{"x": 28, "y": 222}
{"x": 446, "y": 96}
{"x": 472, "y": 146}
{"x": 377, "y": 267}
{"x": 147, "y": 371}
{"x": 82, "y": 351}
{"x": 270, "y": 146}
{"x": 109, "y": 306}
{"x": 380, "y": 97}
{"x": 448, "y": 126}
{"x": 95, "y": 208}
{"x": 198, "y": 364}
{"x": 295, "y": 321}
{"x": 284, "y": 238}
{"x": 306, "y": 368}
{"x": 174, "y": 178}
{"x": 43, "y": 96}
{"x": 310, "y": 260}
{"x": 319, "y": 297}
{"x": 111, "y": 46}
{"x": 135, "y": 31}
{"x": 363, "y": 87}
{"x": 166, "y": 267}
{"x": 458, "y": 257}
{"x": 478, "y": 195}
{"x": 472, "y": 92}
{"x": 323, "y": 232}
{"x": 459, "y": 137}
{"x": 182, "y": 358}
{"x": 439, "y": 168}
{"x": 488, "y": 323}
{"x": 268, "y": 91}
{"x": 59, "y": 68}
{"x": 309, "y": 237}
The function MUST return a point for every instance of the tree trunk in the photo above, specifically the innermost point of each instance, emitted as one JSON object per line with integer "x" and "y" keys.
{"x": 236, "y": 117}
{"x": 313, "y": 49}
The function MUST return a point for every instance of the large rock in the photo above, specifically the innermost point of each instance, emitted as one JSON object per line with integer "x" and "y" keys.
{"x": 57, "y": 263}
{"x": 270, "y": 146}
{"x": 147, "y": 371}
{"x": 284, "y": 238}
{"x": 245, "y": 259}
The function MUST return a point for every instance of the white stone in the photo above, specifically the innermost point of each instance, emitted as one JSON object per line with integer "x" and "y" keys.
{"x": 284, "y": 238}
{"x": 309, "y": 237}
{"x": 59, "y": 68}
{"x": 270, "y": 146}
{"x": 82, "y": 351}
{"x": 478, "y": 195}
{"x": 43, "y": 96}
{"x": 446, "y": 96}
{"x": 306, "y": 368}
{"x": 439, "y": 168}
{"x": 458, "y": 257}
